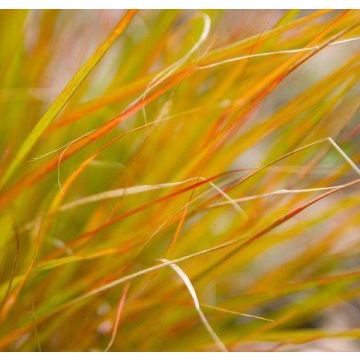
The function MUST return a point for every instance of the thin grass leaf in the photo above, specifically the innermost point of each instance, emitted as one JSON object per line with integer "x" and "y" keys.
{"x": 64, "y": 96}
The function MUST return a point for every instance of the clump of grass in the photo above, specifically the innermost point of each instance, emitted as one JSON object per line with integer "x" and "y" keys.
{"x": 129, "y": 137}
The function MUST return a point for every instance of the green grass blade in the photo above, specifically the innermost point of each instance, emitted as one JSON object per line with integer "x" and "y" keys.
{"x": 64, "y": 96}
